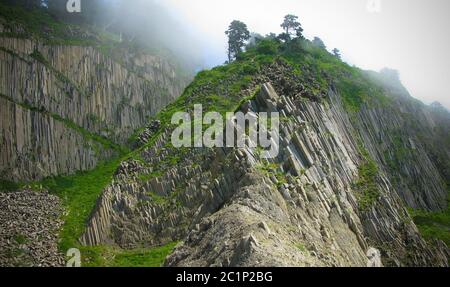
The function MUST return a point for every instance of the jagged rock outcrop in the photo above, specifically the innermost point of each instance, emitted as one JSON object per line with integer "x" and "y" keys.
{"x": 65, "y": 107}
{"x": 148, "y": 132}
{"x": 135, "y": 210}
{"x": 320, "y": 208}
{"x": 336, "y": 194}
{"x": 303, "y": 208}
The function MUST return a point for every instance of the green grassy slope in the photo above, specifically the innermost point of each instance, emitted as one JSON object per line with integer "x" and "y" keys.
{"x": 433, "y": 225}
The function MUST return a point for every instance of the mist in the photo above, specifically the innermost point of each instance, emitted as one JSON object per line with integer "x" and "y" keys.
{"x": 410, "y": 36}
{"x": 149, "y": 24}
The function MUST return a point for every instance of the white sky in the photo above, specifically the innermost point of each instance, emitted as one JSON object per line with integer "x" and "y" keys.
{"x": 408, "y": 35}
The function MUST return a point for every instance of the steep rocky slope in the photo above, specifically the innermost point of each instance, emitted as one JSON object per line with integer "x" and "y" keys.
{"x": 360, "y": 161}
{"x": 332, "y": 197}
{"x": 68, "y": 103}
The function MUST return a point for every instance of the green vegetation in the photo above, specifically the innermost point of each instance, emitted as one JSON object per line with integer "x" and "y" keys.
{"x": 368, "y": 191}
{"x": 400, "y": 153}
{"x": 237, "y": 35}
{"x": 219, "y": 89}
{"x": 146, "y": 177}
{"x": 353, "y": 84}
{"x": 318, "y": 70}
{"x": 108, "y": 256}
{"x": 157, "y": 198}
{"x": 433, "y": 225}
{"x": 291, "y": 23}
{"x": 79, "y": 193}
{"x": 104, "y": 141}
{"x": 20, "y": 239}
{"x": 39, "y": 23}
{"x": 337, "y": 53}
{"x": 273, "y": 169}
{"x": 301, "y": 247}
{"x": 14, "y": 54}
{"x": 247, "y": 99}
{"x": 6, "y": 185}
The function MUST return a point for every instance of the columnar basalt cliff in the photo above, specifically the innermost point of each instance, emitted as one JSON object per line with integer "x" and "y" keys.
{"x": 328, "y": 199}
{"x": 361, "y": 168}
{"x": 64, "y": 108}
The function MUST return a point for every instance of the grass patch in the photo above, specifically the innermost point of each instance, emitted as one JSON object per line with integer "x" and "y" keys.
{"x": 20, "y": 239}
{"x": 79, "y": 193}
{"x": 433, "y": 225}
{"x": 319, "y": 70}
{"x": 14, "y": 54}
{"x": 109, "y": 256}
{"x": 366, "y": 185}
{"x": 157, "y": 198}
{"x": 7, "y": 186}
{"x": 104, "y": 141}
{"x": 39, "y": 23}
{"x": 272, "y": 169}
{"x": 147, "y": 176}
{"x": 218, "y": 90}
{"x": 367, "y": 189}
{"x": 301, "y": 247}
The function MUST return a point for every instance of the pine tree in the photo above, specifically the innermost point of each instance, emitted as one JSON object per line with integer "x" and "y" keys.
{"x": 237, "y": 35}
{"x": 290, "y": 25}
{"x": 337, "y": 53}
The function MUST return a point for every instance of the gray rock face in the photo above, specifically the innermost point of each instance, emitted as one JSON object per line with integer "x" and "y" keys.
{"x": 232, "y": 208}
{"x": 136, "y": 211}
{"x": 403, "y": 139}
{"x": 317, "y": 212}
{"x": 35, "y": 145}
{"x": 29, "y": 225}
{"x": 65, "y": 108}
{"x": 148, "y": 132}
{"x": 56, "y": 101}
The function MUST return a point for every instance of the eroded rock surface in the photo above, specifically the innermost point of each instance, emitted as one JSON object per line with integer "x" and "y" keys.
{"x": 29, "y": 226}
{"x": 64, "y": 108}
{"x": 303, "y": 208}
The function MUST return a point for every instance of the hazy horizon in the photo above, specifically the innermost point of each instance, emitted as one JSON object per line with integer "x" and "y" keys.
{"x": 406, "y": 35}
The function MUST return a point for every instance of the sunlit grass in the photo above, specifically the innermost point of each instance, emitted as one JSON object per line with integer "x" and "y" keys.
{"x": 109, "y": 256}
